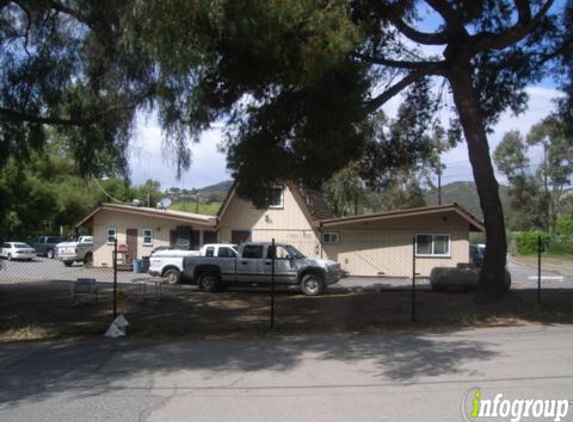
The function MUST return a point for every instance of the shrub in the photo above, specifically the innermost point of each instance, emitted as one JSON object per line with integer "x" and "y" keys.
{"x": 564, "y": 228}
{"x": 527, "y": 241}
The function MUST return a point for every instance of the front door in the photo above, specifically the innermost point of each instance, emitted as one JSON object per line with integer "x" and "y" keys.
{"x": 131, "y": 235}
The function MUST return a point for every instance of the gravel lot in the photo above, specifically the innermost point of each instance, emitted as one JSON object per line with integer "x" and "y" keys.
{"x": 43, "y": 269}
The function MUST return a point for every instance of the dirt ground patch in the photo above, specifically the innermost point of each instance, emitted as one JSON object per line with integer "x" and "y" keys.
{"x": 558, "y": 264}
{"x": 44, "y": 311}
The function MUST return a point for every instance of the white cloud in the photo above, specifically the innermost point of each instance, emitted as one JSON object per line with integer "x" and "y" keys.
{"x": 149, "y": 160}
{"x": 541, "y": 103}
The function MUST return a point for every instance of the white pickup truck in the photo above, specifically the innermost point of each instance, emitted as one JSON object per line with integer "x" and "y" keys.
{"x": 169, "y": 263}
{"x": 80, "y": 250}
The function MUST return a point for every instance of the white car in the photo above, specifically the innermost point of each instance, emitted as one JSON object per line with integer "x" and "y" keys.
{"x": 17, "y": 250}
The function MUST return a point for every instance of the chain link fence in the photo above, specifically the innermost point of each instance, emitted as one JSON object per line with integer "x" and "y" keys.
{"x": 41, "y": 298}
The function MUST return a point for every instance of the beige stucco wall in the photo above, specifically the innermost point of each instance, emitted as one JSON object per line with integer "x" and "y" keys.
{"x": 121, "y": 222}
{"x": 385, "y": 248}
{"x": 287, "y": 224}
{"x": 382, "y": 248}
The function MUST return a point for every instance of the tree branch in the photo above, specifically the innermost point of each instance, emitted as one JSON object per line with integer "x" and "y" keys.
{"x": 445, "y": 10}
{"x": 378, "y": 101}
{"x": 395, "y": 12}
{"x": 426, "y": 38}
{"x": 23, "y": 116}
{"x": 56, "y": 121}
{"x": 525, "y": 24}
{"x": 56, "y": 5}
{"x": 523, "y": 11}
{"x": 399, "y": 64}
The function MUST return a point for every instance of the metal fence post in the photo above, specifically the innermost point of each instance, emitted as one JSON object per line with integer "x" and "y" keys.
{"x": 414, "y": 279}
{"x": 273, "y": 253}
{"x": 115, "y": 278}
{"x": 539, "y": 269}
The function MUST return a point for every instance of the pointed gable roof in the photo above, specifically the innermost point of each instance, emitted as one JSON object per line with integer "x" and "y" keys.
{"x": 310, "y": 202}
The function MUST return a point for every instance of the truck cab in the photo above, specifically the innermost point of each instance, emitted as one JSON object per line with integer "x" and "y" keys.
{"x": 168, "y": 263}
{"x": 259, "y": 263}
{"x": 45, "y": 245}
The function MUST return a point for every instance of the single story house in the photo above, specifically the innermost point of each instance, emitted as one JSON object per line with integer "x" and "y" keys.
{"x": 379, "y": 244}
{"x": 143, "y": 229}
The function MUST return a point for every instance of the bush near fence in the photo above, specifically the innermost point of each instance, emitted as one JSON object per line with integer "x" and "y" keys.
{"x": 527, "y": 242}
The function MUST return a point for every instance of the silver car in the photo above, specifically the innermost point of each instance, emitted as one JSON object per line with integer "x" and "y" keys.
{"x": 17, "y": 251}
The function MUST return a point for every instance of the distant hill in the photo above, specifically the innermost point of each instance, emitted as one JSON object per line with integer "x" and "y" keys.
{"x": 465, "y": 194}
{"x": 218, "y": 190}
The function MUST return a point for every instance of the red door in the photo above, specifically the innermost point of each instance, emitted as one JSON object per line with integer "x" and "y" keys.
{"x": 131, "y": 235}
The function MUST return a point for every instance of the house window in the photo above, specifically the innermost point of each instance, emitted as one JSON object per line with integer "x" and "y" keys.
{"x": 147, "y": 237}
{"x": 276, "y": 197}
{"x": 433, "y": 245}
{"x": 110, "y": 235}
{"x": 330, "y": 238}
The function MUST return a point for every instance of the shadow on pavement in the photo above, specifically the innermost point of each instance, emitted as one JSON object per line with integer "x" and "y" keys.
{"x": 78, "y": 368}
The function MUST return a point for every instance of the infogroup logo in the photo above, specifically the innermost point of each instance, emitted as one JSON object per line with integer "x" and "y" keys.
{"x": 475, "y": 406}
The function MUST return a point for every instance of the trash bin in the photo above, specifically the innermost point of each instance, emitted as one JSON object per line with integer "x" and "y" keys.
{"x": 137, "y": 266}
{"x": 145, "y": 264}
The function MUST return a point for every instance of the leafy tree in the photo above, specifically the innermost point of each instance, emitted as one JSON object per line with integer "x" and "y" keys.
{"x": 526, "y": 195}
{"x": 564, "y": 227}
{"x": 297, "y": 107}
{"x": 557, "y": 166}
{"x": 537, "y": 193}
{"x": 343, "y": 191}
{"x": 295, "y": 80}
{"x": 149, "y": 193}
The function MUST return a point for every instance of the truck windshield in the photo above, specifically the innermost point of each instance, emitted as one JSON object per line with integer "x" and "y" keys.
{"x": 295, "y": 253}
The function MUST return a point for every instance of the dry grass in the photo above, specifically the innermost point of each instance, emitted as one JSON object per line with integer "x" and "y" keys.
{"x": 31, "y": 311}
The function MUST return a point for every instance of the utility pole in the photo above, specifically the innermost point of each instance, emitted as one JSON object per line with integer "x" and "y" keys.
{"x": 439, "y": 178}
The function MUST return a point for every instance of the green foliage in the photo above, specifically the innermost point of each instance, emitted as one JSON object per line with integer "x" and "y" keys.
{"x": 191, "y": 206}
{"x": 46, "y": 193}
{"x": 563, "y": 239}
{"x": 536, "y": 192}
{"x": 527, "y": 242}
{"x": 564, "y": 228}
{"x": 561, "y": 249}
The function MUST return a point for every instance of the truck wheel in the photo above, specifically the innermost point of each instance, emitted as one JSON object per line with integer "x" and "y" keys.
{"x": 68, "y": 263}
{"x": 172, "y": 275}
{"x": 88, "y": 260}
{"x": 208, "y": 282}
{"x": 9, "y": 257}
{"x": 51, "y": 254}
{"x": 312, "y": 285}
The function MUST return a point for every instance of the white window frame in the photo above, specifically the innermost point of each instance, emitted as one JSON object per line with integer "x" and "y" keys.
{"x": 432, "y": 254}
{"x": 107, "y": 235}
{"x": 152, "y": 236}
{"x": 332, "y": 241}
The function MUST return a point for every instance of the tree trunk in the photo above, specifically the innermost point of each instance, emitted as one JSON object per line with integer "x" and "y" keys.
{"x": 493, "y": 270}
